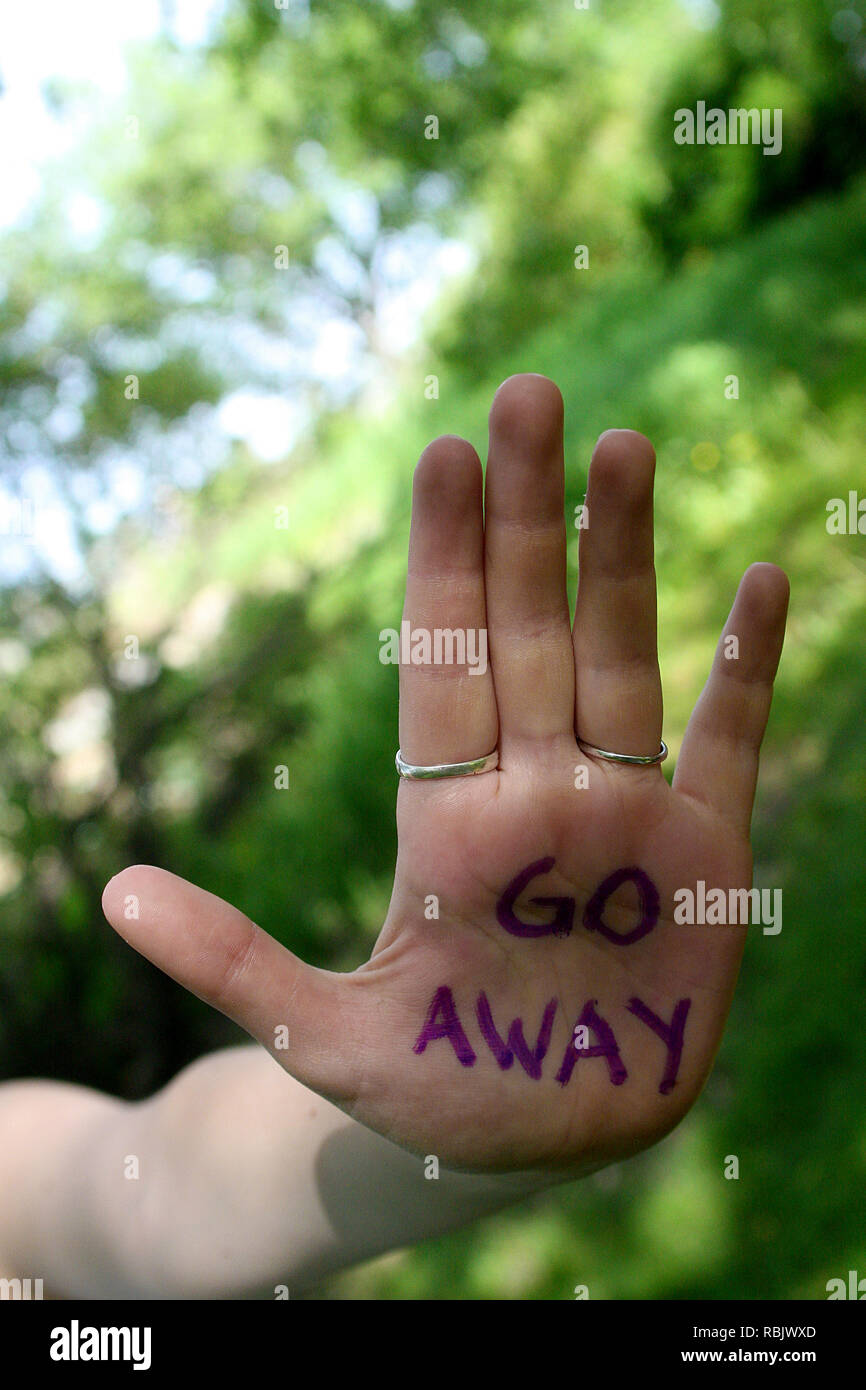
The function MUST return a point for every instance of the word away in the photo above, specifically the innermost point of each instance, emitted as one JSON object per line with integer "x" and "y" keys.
{"x": 443, "y": 1021}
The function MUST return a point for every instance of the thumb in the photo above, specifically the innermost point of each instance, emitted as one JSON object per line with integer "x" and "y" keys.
{"x": 297, "y": 1012}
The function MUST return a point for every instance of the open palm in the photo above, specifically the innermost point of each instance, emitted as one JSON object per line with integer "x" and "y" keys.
{"x": 531, "y": 1003}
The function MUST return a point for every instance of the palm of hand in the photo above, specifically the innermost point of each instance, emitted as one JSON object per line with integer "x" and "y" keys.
{"x": 492, "y": 1030}
{"x": 452, "y": 1084}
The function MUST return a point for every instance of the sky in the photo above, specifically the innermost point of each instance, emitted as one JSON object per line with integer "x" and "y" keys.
{"x": 86, "y": 41}
{"x": 38, "y": 43}
{"x": 83, "y": 40}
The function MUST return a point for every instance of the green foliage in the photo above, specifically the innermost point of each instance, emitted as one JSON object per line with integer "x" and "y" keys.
{"x": 800, "y": 58}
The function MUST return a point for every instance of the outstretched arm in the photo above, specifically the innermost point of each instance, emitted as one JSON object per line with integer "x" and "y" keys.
{"x": 232, "y": 1181}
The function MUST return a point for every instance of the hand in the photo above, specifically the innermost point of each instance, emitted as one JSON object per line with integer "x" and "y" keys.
{"x": 621, "y": 1008}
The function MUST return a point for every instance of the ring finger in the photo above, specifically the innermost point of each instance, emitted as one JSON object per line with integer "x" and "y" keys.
{"x": 619, "y": 695}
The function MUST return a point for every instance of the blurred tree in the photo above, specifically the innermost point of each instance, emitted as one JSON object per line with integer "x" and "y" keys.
{"x": 805, "y": 57}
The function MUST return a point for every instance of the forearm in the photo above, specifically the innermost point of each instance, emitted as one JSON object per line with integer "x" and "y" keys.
{"x": 54, "y": 1217}
{"x": 246, "y": 1181}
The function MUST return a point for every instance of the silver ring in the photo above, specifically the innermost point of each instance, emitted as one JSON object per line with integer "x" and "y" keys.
{"x": 470, "y": 769}
{"x": 658, "y": 757}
